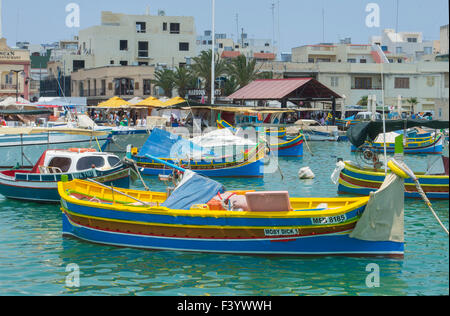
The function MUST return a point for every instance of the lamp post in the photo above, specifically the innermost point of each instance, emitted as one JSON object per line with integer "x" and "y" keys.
{"x": 17, "y": 72}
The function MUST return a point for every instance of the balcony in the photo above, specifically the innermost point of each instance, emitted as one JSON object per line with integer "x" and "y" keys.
{"x": 9, "y": 87}
{"x": 366, "y": 87}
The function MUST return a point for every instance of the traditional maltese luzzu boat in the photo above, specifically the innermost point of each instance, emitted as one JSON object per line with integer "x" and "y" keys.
{"x": 201, "y": 216}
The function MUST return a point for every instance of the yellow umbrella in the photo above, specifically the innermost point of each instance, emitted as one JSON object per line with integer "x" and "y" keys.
{"x": 115, "y": 102}
{"x": 174, "y": 101}
{"x": 151, "y": 102}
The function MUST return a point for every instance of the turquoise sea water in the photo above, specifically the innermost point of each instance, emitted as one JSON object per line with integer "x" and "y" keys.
{"x": 34, "y": 255}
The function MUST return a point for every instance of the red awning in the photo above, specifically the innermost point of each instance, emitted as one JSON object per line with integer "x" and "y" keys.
{"x": 268, "y": 56}
{"x": 278, "y": 89}
{"x": 230, "y": 54}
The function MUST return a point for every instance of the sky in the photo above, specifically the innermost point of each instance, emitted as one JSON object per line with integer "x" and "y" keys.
{"x": 294, "y": 22}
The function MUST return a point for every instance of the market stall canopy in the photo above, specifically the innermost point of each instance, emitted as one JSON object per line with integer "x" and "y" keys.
{"x": 11, "y": 101}
{"x": 175, "y": 101}
{"x": 359, "y": 133}
{"x": 151, "y": 102}
{"x": 284, "y": 89}
{"x": 115, "y": 103}
{"x": 135, "y": 100}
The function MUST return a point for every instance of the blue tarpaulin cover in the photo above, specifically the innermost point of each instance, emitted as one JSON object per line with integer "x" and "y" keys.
{"x": 163, "y": 144}
{"x": 193, "y": 189}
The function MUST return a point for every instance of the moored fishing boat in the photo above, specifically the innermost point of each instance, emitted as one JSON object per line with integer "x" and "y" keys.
{"x": 354, "y": 179}
{"x": 277, "y": 141}
{"x": 40, "y": 183}
{"x": 228, "y": 161}
{"x": 236, "y": 222}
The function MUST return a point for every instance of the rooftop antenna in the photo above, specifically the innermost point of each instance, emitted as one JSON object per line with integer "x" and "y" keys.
{"x": 237, "y": 27}
{"x": 396, "y": 21}
{"x": 273, "y": 24}
{"x": 1, "y": 20}
{"x": 323, "y": 24}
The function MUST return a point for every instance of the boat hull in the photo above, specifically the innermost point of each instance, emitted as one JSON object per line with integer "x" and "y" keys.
{"x": 316, "y": 246}
{"x": 426, "y": 146}
{"x": 290, "y": 148}
{"x": 249, "y": 169}
{"x": 38, "y": 190}
{"x": 354, "y": 180}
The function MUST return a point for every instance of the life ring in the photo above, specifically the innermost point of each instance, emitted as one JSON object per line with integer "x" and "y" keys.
{"x": 82, "y": 150}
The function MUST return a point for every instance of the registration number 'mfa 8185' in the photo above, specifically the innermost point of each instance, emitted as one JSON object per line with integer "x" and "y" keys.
{"x": 329, "y": 220}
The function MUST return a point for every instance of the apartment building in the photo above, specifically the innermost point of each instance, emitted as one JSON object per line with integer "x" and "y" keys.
{"x": 139, "y": 40}
{"x": 226, "y": 47}
{"x": 426, "y": 81}
{"x": 340, "y": 53}
{"x": 410, "y": 44}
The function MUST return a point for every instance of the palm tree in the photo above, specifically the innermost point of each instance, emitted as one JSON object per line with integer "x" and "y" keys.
{"x": 363, "y": 101}
{"x": 413, "y": 102}
{"x": 230, "y": 86}
{"x": 243, "y": 70}
{"x": 165, "y": 80}
{"x": 202, "y": 69}
{"x": 184, "y": 80}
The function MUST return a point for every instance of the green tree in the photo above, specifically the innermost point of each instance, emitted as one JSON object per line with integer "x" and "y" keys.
{"x": 184, "y": 80}
{"x": 230, "y": 86}
{"x": 243, "y": 70}
{"x": 363, "y": 101}
{"x": 165, "y": 80}
{"x": 413, "y": 102}
{"x": 201, "y": 68}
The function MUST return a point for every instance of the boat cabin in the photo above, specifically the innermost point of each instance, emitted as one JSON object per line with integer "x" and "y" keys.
{"x": 74, "y": 160}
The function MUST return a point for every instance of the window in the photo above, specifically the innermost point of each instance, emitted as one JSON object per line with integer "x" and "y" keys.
{"x": 111, "y": 62}
{"x": 363, "y": 83}
{"x": 78, "y": 64}
{"x": 334, "y": 81}
{"x": 351, "y": 60}
{"x": 184, "y": 47}
{"x": 103, "y": 88}
{"x": 412, "y": 39}
{"x": 147, "y": 87}
{"x": 174, "y": 28}
{"x": 398, "y": 50}
{"x": 446, "y": 80}
{"x": 123, "y": 45}
{"x": 143, "y": 63}
{"x": 123, "y": 86}
{"x": 124, "y": 63}
{"x": 311, "y": 60}
{"x": 113, "y": 161}
{"x": 401, "y": 83}
{"x": 220, "y": 45}
{"x": 140, "y": 27}
{"x": 165, "y": 26}
{"x": 61, "y": 163}
{"x": 181, "y": 65}
{"x": 363, "y": 61}
{"x": 428, "y": 50}
{"x": 86, "y": 163}
{"x": 143, "y": 49}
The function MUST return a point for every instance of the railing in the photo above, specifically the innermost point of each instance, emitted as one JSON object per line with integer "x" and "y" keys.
{"x": 9, "y": 87}
{"x": 371, "y": 87}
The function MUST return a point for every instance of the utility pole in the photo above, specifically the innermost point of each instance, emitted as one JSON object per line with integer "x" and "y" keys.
{"x": 213, "y": 52}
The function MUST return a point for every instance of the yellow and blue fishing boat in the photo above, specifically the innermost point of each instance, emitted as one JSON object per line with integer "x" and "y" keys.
{"x": 210, "y": 162}
{"x": 279, "y": 144}
{"x": 214, "y": 220}
{"x": 358, "y": 180}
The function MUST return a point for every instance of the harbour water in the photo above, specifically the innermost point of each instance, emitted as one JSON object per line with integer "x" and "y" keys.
{"x": 34, "y": 255}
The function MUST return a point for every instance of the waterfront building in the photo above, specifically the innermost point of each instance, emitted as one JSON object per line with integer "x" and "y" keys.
{"x": 101, "y": 83}
{"x": 426, "y": 81}
{"x": 15, "y": 72}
